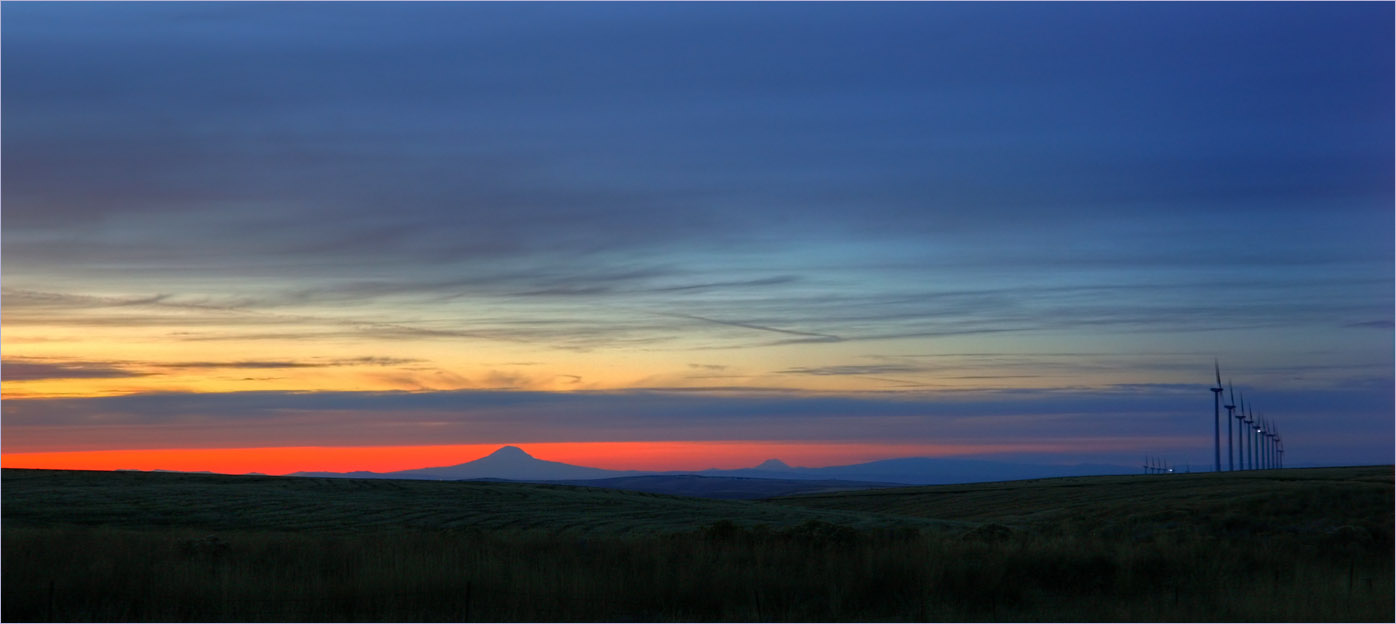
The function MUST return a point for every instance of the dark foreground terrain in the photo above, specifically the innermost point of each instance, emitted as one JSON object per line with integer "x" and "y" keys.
{"x": 1283, "y": 545}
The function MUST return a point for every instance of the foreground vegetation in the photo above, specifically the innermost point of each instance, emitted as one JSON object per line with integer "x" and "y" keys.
{"x": 158, "y": 501}
{"x": 1298, "y": 546}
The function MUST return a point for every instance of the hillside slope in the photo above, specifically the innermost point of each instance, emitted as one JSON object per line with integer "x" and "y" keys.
{"x": 742, "y": 488}
{"x": 42, "y": 498}
{"x": 1301, "y": 500}
{"x": 1301, "y": 545}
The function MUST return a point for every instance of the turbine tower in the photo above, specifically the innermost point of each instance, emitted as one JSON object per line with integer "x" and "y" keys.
{"x": 1216, "y": 419}
{"x": 1260, "y": 440}
{"x": 1269, "y": 444}
{"x": 1153, "y": 465}
{"x": 1264, "y": 443}
{"x": 1241, "y": 431}
{"x": 1250, "y": 438}
{"x": 1230, "y": 459}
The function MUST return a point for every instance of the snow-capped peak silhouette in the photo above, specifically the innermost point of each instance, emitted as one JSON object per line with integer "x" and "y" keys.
{"x": 509, "y": 462}
{"x": 509, "y": 452}
{"x": 773, "y": 464}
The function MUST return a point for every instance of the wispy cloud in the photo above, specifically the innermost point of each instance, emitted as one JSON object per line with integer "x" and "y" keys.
{"x": 32, "y": 370}
{"x": 755, "y": 326}
{"x": 1378, "y": 324}
{"x": 853, "y": 369}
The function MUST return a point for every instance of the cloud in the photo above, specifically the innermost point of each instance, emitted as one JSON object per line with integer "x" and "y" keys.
{"x": 864, "y": 369}
{"x": 375, "y": 360}
{"x": 12, "y": 369}
{"x": 254, "y": 364}
{"x": 1378, "y": 324}
{"x": 33, "y": 369}
{"x": 747, "y": 325}
{"x": 309, "y": 363}
{"x": 204, "y": 152}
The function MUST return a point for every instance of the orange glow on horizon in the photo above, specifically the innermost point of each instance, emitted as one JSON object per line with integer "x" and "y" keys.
{"x": 682, "y": 455}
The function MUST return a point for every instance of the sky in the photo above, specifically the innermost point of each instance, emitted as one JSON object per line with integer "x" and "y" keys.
{"x": 374, "y": 236}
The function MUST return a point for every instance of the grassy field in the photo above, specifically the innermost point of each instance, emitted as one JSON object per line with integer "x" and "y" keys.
{"x": 145, "y": 500}
{"x": 1292, "y": 545}
{"x": 1295, "y": 501}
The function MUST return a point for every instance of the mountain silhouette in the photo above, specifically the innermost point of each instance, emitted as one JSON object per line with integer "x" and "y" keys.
{"x": 515, "y": 464}
{"x": 508, "y": 453}
{"x": 508, "y": 462}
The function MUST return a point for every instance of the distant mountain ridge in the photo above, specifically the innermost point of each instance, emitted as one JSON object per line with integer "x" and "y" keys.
{"x": 509, "y": 462}
{"x": 515, "y": 464}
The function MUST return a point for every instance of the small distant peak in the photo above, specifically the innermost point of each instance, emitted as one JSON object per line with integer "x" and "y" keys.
{"x": 773, "y": 464}
{"x": 510, "y": 452}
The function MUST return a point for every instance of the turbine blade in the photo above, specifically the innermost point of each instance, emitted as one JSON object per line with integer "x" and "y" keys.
{"x": 1217, "y": 364}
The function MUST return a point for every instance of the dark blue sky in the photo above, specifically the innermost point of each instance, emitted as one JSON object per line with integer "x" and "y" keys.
{"x": 900, "y": 199}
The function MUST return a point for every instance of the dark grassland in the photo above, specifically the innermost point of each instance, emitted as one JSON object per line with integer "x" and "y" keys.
{"x": 1284, "y": 545}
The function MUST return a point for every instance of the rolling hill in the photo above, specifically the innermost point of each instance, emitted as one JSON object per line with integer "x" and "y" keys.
{"x": 725, "y": 487}
{"x": 1298, "y": 501}
{"x": 1304, "y": 500}
{"x": 143, "y": 500}
{"x": 1281, "y": 545}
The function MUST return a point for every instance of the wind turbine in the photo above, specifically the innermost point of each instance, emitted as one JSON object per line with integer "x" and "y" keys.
{"x": 1274, "y": 434}
{"x": 1264, "y": 443}
{"x": 1249, "y": 421}
{"x": 1269, "y": 444}
{"x": 1260, "y": 440}
{"x": 1241, "y": 430}
{"x": 1216, "y": 418}
{"x": 1230, "y": 459}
